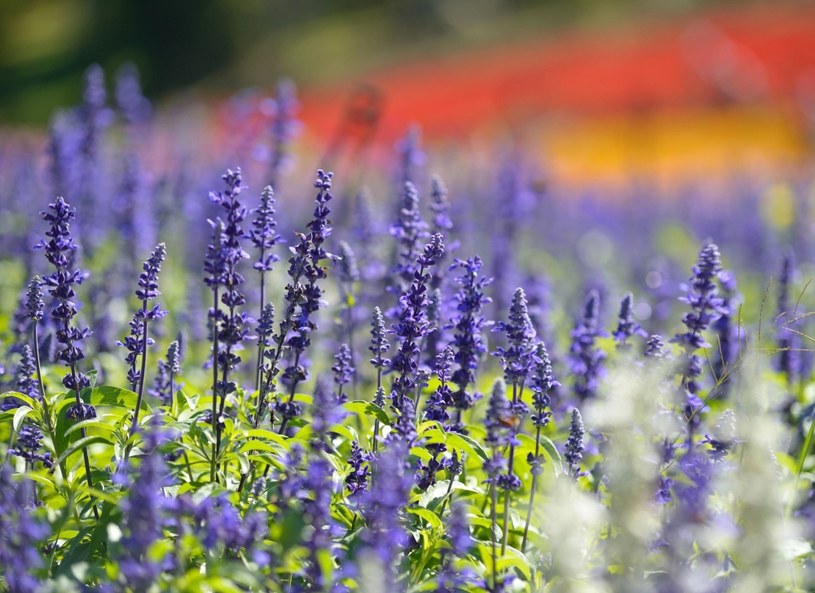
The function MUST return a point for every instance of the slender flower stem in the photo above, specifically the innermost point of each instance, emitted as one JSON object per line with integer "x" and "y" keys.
{"x": 375, "y": 444}
{"x": 214, "y": 379}
{"x": 49, "y": 425}
{"x": 83, "y": 434}
{"x": 493, "y": 505}
{"x": 224, "y": 383}
{"x": 261, "y": 347}
{"x": 140, "y": 397}
{"x": 511, "y": 463}
{"x": 285, "y": 421}
{"x": 532, "y": 490}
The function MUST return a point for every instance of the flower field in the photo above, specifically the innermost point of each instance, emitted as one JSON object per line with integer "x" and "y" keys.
{"x": 224, "y": 371}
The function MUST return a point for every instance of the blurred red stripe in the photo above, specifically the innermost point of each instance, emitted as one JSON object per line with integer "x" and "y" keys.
{"x": 737, "y": 56}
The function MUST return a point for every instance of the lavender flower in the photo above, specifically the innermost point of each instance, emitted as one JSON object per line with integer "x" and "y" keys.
{"x": 306, "y": 264}
{"x": 440, "y": 206}
{"x": 230, "y": 327}
{"x": 385, "y": 536}
{"x": 727, "y": 329}
{"x": 412, "y": 324}
{"x": 468, "y": 340}
{"x": 28, "y": 446}
{"x": 343, "y": 371}
{"x": 348, "y": 269}
{"x": 787, "y": 361}
{"x": 148, "y": 280}
{"x": 264, "y": 233}
{"x": 706, "y": 307}
{"x": 133, "y": 106}
{"x": 34, "y": 300}
{"x": 449, "y": 579}
{"x": 409, "y": 231}
{"x": 585, "y": 360}
{"x": 431, "y": 343}
{"x": 24, "y": 380}
{"x": 317, "y": 510}
{"x": 379, "y": 342}
{"x": 59, "y": 251}
{"x": 133, "y": 344}
{"x": 499, "y": 410}
{"x": 356, "y": 482}
{"x": 498, "y": 436}
{"x": 348, "y": 276}
{"x": 516, "y": 358}
{"x": 168, "y": 370}
{"x": 139, "y": 340}
{"x": 442, "y": 398}
{"x": 327, "y": 410}
{"x": 626, "y": 325}
{"x": 574, "y": 444}
{"x": 411, "y": 155}
{"x": 284, "y": 127}
{"x": 20, "y": 535}
{"x": 655, "y": 347}
{"x": 142, "y": 509}
{"x": 543, "y": 381}
{"x": 93, "y": 116}
{"x": 441, "y": 223}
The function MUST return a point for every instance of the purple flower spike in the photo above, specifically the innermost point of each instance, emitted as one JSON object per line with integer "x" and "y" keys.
{"x": 585, "y": 359}
{"x": 516, "y": 358}
{"x": 627, "y": 326}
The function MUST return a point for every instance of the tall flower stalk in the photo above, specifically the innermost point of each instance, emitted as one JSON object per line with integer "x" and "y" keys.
{"x": 309, "y": 256}
{"x": 147, "y": 291}
{"x": 543, "y": 381}
{"x": 468, "y": 339}
{"x": 264, "y": 236}
{"x": 412, "y": 324}
{"x": 627, "y": 326}
{"x": 574, "y": 444}
{"x": 214, "y": 274}
{"x": 60, "y": 250}
{"x": 233, "y": 327}
{"x": 409, "y": 230}
{"x": 585, "y": 359}
{"x": 497, "y": 438}
{"x": 516, "y": 358}
{"x": 348, "y": 276}
{"x": 35, "y": 309}
{"x": 379, "y": 347}
{"x": 706, "y": 307}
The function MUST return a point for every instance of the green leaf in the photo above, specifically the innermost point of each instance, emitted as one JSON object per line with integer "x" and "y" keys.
{"x": 81, "y": 443}
{"x": 551, "y": 452}
{"x": 436, "y": 491}
{"x": 304, "y": 398}
{"x": 431, "y": 518}
{"x": 465, "y": 443}
{"x": 115, "y": 397}
{"x": 290, "y": 529}
{"x": 20, "y": 415}
{"x": 367, "y": 409}
{"x": 21, "y": 396}
{"x": 258, "y": 445}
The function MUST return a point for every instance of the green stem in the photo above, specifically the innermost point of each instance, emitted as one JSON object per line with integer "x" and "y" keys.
{"x": 214, "y": 379}
{"x": 49, "y": 425}
{"x": 532, "y": 491}
{"x": 802, "y": 455}
{"x": 493, "y": 505}
{"x": 135, "y": 424}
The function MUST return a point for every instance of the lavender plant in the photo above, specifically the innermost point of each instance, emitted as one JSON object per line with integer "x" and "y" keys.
{"x": 306, "y": 487}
